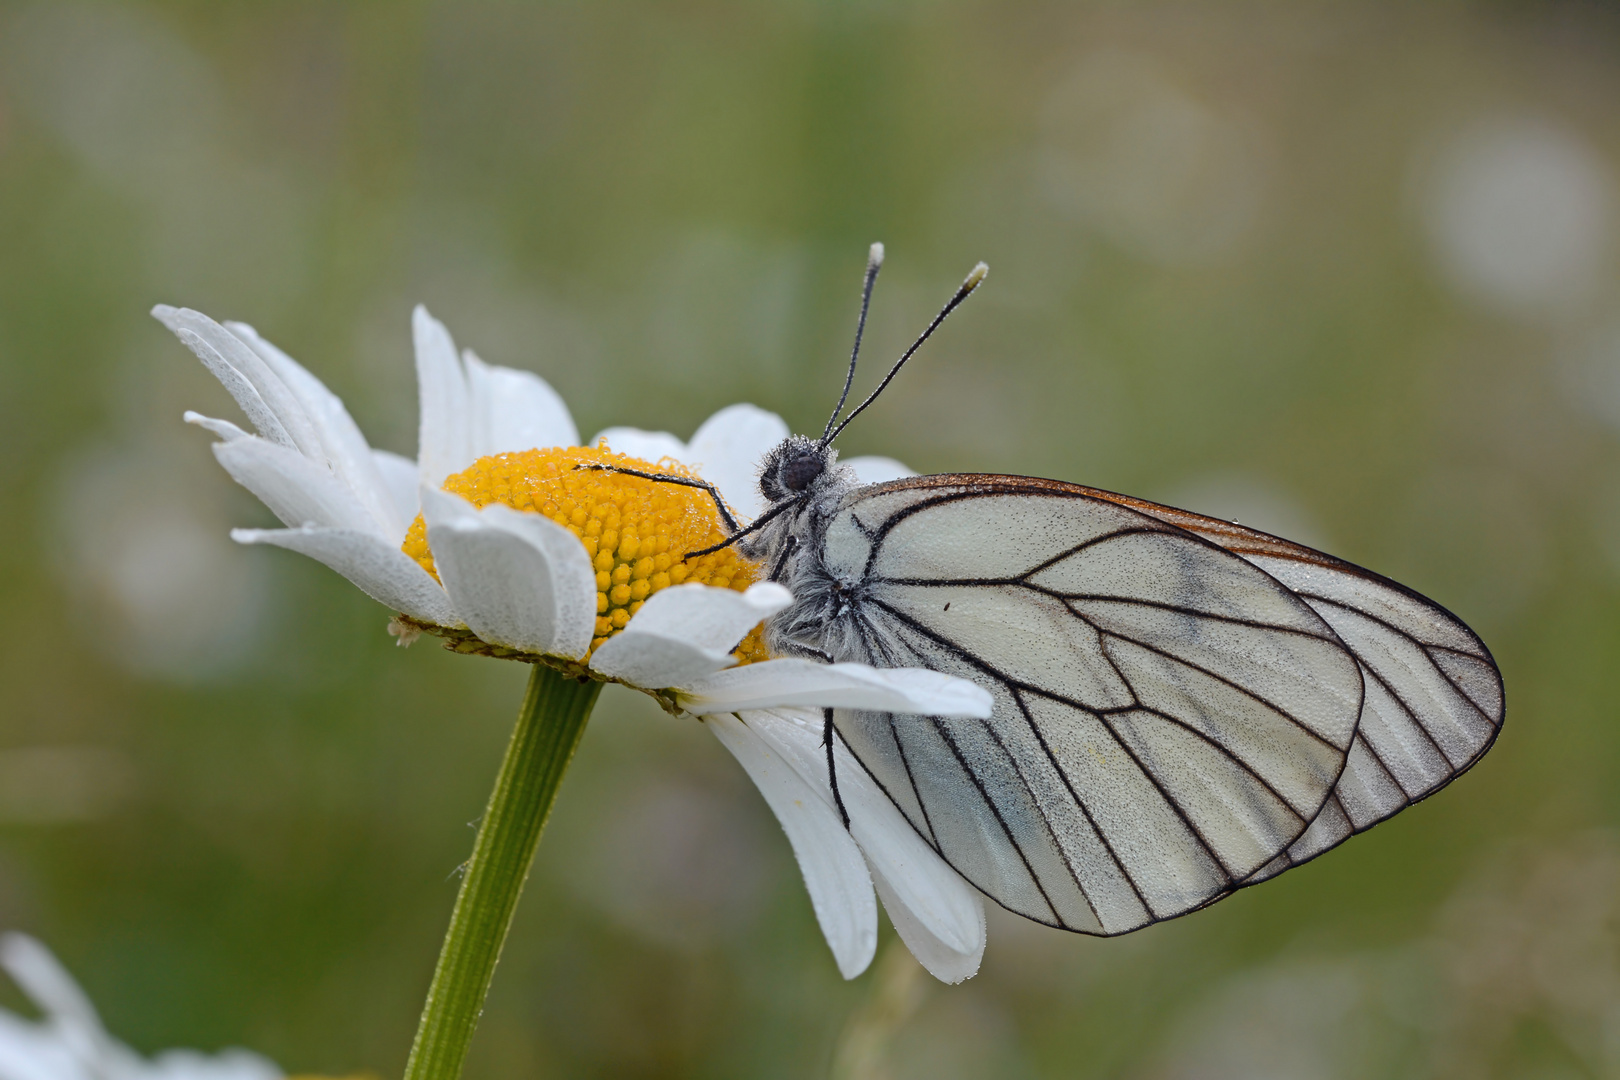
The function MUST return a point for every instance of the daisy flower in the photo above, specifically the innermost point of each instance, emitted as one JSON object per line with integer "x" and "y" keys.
{"x": 507, "y": 538}
{"x": 69, "y": 1042}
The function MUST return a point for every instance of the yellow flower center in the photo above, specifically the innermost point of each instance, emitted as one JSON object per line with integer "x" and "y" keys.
{"x": 636, "y": 531}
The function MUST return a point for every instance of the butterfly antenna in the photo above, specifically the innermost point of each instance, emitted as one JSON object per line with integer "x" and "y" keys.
{"x": 874, "y": 263}
{"x": 972, "y": 282}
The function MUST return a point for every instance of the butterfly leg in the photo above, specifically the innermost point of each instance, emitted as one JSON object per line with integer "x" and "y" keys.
{"x": 737, "y": 531}
{"x": 799, "y": 648}
{"x": 828, "y": 736}
{"x": 684, "y": 481}
{"x": 781, "y": 562}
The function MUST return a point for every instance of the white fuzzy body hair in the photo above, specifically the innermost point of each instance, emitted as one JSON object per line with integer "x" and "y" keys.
{"x": 823, "y": 620}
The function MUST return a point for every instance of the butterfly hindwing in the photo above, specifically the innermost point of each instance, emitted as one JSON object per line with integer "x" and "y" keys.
{"x": 1169, "y": 718}
{"x": 1434, "y": 700}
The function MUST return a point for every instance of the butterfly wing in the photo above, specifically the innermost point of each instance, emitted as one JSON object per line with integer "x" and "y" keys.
{"x": 1434, "y": 701}
{"x": 1168, "y": 721}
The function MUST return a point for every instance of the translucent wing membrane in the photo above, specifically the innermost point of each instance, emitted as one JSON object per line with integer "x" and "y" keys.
{"x": 1169, "y": 718}
{"x": 1434, "y": 697}
{"x": 1182, "y": 706}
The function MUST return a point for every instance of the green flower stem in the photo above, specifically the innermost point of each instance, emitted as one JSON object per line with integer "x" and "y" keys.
{"x": 555, "y": 709}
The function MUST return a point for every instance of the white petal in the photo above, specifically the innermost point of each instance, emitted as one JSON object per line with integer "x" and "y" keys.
{"x": 444, "y": 439}
{"x": 877, "y": 470}
{"x": 36, "y": 1051}
{"x": 69, "y": 1043}
{"x": 515, "y": 410}
{"x": 378, "y": 568}
{"x": 297, "y": 490}
{"x": 646, "y": 445}
{"x": 343, "y": 447}
{"x": 943, "y": 961}
{"x": 939, "y": 909}
{"x": 727, "y": 449}
{"x": 70, "y": 1018}
{"x": 517, "y": 579}
{"x": 835, "y": 875}
{"x": 398, "y": 475}
{"x": 686, "y": 632}
{"x": 708, "y": 617}
{"x": 269, "y": 404}
{"x": 791, "y": 681}
{"x": 226, "y": 430}
{"x": 46, "y": 982}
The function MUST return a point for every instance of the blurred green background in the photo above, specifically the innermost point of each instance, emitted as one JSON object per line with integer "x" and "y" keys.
{"x": 1344, "y": 271}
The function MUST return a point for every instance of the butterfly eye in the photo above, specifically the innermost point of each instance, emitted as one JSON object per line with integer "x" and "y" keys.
{"x": 797, "y": 473}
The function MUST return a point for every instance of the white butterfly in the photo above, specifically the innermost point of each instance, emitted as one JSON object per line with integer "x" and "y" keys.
{"x": 1183, "y": 706}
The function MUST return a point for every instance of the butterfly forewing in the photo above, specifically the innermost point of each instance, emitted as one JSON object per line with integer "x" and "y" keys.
{"x": 1168, "y": 721}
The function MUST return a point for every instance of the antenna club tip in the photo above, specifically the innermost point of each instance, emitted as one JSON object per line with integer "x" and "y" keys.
{"x": 874, "y": 255}
{"x": 975, "y": 276}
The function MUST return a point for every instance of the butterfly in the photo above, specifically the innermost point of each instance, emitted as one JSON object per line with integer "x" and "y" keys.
{"x": 1182, "y": 706}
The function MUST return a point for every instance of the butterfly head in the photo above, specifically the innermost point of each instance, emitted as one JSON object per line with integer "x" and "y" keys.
{"x": 800, "y": 469}
{"x": 792, "y": 468}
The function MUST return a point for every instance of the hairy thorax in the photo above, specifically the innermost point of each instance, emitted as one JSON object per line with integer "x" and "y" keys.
{"x": 824, "y": 619}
